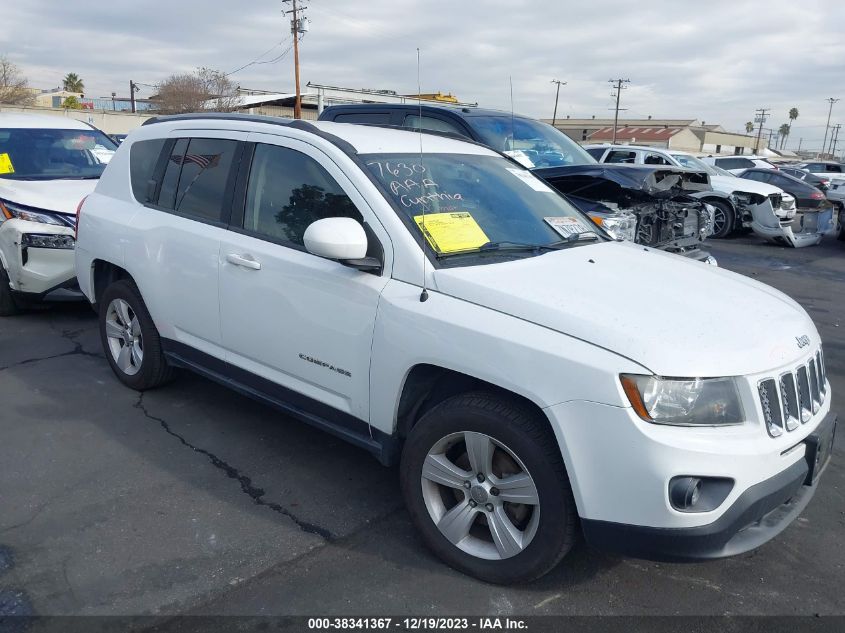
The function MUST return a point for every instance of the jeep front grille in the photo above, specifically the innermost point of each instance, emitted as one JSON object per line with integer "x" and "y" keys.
{"x": 794, "y": 397}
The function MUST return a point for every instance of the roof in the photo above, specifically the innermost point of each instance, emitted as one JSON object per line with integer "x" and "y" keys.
{"x": 642, "y": 148}
{"x": 364, "y": 139}
{"x": 26, "y": 120}
{"x": 624, "y": 122}
{"x": 639, "y": 132}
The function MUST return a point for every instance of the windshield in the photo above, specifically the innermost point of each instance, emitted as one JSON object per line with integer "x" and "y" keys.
{"x": 48, "y": 154}
{"x": 477, "y": 207}
{"x": 540, "y": 143}
{"x": 691, "y": 162}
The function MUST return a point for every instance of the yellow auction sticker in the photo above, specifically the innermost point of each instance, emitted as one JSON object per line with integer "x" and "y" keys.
{"x": 6, "y": 164}
{"x": 451, "y": 232}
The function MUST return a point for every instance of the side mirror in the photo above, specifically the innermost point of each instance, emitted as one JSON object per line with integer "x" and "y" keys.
{"x": 343, "y": 239}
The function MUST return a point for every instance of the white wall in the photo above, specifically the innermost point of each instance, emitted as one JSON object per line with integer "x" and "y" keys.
{"x": 108, "y": 122}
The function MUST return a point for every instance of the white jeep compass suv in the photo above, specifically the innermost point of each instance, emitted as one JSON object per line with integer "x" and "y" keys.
{"x": 435, "y": 303}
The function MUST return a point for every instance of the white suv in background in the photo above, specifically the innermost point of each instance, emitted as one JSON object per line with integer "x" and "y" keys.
{"x": 764, "y": 208}
{"x": 48, "y": 164}
{"x": 737, "y": 164}
{"x": 443, "y": 308}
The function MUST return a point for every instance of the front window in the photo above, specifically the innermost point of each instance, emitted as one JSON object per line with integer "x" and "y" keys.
{"x": 477, "y": 209}
{"x": 533, "y": 143}
{"x": 48, "y": 154}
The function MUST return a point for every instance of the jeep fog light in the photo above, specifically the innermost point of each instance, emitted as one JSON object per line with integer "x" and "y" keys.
{"x": 46, "y": 240}
{"x": 684, "y": 401}
{"x": 698, "y": 494}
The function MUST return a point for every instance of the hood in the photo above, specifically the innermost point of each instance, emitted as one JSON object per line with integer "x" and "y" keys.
{"x": 729, "y": 184}
{"x": 602, "y": 180}
{"x": 674, "y": 316}
{"x": 51, "y": 195}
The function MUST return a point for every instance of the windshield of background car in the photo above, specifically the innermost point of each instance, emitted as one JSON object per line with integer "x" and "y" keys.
{"x": 691, "y": 162}
{"x": 542, "y": 144}
{"x": 478, "y": 206}
{"x": 48, "y": 154}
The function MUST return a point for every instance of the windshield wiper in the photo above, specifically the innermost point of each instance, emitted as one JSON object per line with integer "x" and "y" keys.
{"x": 508, "y": 246}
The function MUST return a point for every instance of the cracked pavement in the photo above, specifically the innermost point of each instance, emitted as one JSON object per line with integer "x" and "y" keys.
{"x": 192, "y": 498}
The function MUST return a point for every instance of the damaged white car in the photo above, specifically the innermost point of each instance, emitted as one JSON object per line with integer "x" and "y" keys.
{"x": 48, "y": 164}
{"x": 764, "y": 208}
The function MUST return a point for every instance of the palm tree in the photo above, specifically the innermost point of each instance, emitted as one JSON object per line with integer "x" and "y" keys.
{"x": 783, "y": 130}
{"x": 73, "y": 83}
{"x": 749, "y": 127}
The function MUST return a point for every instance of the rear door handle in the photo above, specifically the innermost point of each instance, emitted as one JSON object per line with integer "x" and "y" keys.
{"x": 246, "y": 261}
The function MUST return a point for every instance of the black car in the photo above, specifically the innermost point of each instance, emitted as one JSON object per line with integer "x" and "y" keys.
{"x": 819, "y": 182}
{"x": 664, "y": 199}
{"x": 806, "y": 195}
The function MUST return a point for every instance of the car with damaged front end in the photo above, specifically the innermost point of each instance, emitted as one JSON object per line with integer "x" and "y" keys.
{"x": 655, "y": 206}
{"x": 48, "y": 164}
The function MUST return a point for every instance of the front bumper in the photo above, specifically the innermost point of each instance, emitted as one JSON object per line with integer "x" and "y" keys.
{"x": 35, "y": 272}
{"x": 762, "y": 512}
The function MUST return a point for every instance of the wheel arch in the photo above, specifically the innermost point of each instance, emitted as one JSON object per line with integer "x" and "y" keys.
{"x": 103, "y": 274}
{"x": 426, "y": 385}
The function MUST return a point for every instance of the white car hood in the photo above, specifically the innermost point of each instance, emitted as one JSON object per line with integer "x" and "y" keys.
{"x": 728, "y": 184}
{"x": 51, "y": 195}
{"x": 674, "y": 316}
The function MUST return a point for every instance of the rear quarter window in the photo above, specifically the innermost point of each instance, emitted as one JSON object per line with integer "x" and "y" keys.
{"x": 143, "y": 157}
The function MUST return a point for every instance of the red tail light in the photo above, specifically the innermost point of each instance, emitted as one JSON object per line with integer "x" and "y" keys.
{"x": 78, "y": 214}
{"x": 817, "y": 195}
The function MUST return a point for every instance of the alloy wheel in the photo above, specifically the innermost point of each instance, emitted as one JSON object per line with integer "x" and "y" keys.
{"x": 480, "y": 495}
{"x": 123, "y": 332}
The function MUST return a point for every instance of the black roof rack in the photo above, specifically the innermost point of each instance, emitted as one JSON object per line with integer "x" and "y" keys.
{"x": 231, "y": 116}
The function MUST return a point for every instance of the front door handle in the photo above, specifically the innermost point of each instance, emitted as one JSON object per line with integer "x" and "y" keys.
{"x": 246, "y": 261}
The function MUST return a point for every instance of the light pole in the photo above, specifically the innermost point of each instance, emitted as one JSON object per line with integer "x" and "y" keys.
{"x": 557, "y": 94}
{"x": 113, "y": 95}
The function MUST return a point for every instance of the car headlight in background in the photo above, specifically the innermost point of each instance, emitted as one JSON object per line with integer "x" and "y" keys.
{"x": 9, "y": 211}
{"x": 621, "y": 226}
{"x": 684, "y": 401}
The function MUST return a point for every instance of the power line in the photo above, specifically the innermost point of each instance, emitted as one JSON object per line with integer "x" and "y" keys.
{"x": 257, "y": 61}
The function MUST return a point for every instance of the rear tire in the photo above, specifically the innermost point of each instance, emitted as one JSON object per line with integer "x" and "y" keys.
{"x": 130, "y": 340}
{"x": 516, "y": 521}
{"x": 725, "y": 218}
{"x": 8, "y": 304}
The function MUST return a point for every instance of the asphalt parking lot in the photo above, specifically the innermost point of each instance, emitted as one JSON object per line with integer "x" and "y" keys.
{"x": 192, "y": 498}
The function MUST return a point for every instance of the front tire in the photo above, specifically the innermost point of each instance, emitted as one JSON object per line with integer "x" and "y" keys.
{"x": 8, "y": 304}
{"x": 724, "y": 220}
{"x": 485, "y": 484}
{"x": 840, "y": 233}
{"x": 130, "y": 339}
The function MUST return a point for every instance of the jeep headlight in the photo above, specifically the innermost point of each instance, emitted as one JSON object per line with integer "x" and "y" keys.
{"x": 621, "y": 226}
{"x": 684, "y": 401}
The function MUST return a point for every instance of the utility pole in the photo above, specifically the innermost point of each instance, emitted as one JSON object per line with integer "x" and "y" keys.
{"x": 132, "y": 89}
{"x": 557, "y": 94}
{"x": 760, "y": 117}
{"x": 831, "y": 101}
{"x": 834, "y": 141}
{"x": 800, "y": 140}
{"x": 296, "y": 29}
{"x": 619, "y": 88}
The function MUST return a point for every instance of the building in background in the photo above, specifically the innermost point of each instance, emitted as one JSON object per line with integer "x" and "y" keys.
{"x": 681, "y": 134}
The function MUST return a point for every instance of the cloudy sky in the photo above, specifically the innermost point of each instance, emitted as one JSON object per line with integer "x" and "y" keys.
{"x": 713, "y": 60}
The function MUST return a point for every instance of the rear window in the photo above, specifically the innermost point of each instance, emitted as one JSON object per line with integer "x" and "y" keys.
{"x": 143, "y": 157}
{"x": 196, "y": 178}
{"x": 596, "y": 152}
